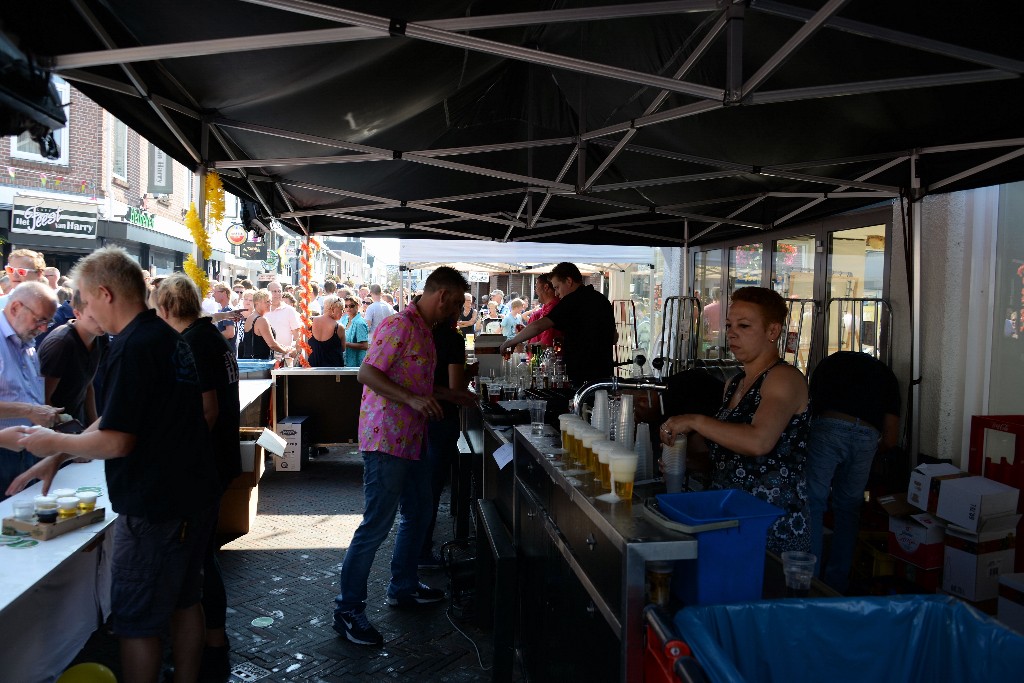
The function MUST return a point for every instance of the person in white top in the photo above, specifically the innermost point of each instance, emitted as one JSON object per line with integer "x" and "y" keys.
{"x": 283, "y": 319}
{"x": 377, "y": 311}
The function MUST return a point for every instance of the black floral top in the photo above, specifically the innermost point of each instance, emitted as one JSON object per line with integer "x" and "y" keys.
{"x": 777, "y": 478}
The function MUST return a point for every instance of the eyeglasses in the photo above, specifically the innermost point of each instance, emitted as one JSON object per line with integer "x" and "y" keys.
{"x": 23, "y": 272}
{"x": 367, "y": 302}
{"x": 39, "y": 320}
{"x": 351, "y": 306}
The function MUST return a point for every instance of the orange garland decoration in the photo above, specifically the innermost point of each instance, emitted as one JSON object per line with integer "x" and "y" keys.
{"x": 305, "y": 296}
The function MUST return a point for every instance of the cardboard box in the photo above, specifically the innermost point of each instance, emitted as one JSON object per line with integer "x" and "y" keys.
{"x": 44, "y": 532}
{"x": 915, "y": 537}
{"x": 975, "y": 561}
{"x": 253, "y": 465}
{"x": 1010, "y": 609}
{"x": 294, "y": 429}
{"x": 925, "y": 481}
{"x": 967, "y": 502}
{"x": 237, "y": 511}
{"x": 924, "y": 580}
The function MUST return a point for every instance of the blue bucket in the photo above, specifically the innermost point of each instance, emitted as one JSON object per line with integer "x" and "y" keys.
{"x": 730, "y": 561}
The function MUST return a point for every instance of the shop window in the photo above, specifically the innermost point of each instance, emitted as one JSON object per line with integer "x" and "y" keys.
{"x": 24, "y": 147}
{"x": 119, "y": 150}
{"x": 856, "y": 274}
{"x": 707, "y": 286}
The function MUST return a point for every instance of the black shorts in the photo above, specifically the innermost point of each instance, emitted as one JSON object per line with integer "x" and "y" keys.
{"x": 156, "y": 568}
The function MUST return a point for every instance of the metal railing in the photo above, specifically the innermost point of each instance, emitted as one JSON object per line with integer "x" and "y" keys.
{"x": 679, "y": 334}
{"x": 796, "y": 345}
{"x": 624, "y": 311}
{"x": 863, "y": 325}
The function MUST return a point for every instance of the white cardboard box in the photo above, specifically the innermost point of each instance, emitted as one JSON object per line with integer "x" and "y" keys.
{"x": 925, "y": 479}
{"x": 968, "y": 501}
{"x": 294, "y": 430}
{"x": 1011, "y": 601}
{"x": 914, "y": 536}
{"x": 975, "y": 561}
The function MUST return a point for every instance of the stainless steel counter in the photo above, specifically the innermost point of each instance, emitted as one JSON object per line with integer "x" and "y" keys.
{"x": 604, "y": 546}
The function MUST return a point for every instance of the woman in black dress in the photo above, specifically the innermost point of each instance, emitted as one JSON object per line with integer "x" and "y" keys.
{"x": 467, "y": 318}
{"x": 328, "y": 338}
{"x": 257, "y": 336}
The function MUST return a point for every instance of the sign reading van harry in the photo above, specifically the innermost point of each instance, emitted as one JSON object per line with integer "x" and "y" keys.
{"x": 53, "y": 217}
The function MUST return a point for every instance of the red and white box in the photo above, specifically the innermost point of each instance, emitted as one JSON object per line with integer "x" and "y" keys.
{"x": 915, "y": 537}
{"x": 975, "y": 561}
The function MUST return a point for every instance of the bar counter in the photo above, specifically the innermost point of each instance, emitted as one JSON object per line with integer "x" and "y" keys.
{"x": 581, "y": 561}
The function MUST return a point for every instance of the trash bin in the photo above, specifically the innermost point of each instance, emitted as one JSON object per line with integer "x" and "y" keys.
{"x": 901, "y": 639}
{"x": 730, "y": 560}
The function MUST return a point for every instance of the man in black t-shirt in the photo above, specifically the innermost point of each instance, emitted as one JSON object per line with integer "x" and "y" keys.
{"x": 160, "y": 472}
{"x": 585, "y": 318}
{"x": 68, "y": 360}
{"x": 855, "y": 400}
{"x": 443, "y": 434}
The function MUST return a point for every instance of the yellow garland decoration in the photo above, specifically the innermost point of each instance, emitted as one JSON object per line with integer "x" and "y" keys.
{"x": 199, "y": 235}
{"x": 198, "y": 275}
{"x": 214, "y": 199}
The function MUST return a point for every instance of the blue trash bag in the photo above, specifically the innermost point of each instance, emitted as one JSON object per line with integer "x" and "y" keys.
{"x": 902, "y": 639}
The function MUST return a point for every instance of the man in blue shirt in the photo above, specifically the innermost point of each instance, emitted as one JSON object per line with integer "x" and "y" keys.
{"x": 222, "y": 295}
{"x": 27, "y": 313}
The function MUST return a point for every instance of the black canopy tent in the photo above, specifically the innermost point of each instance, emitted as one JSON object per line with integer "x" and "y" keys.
{"x": 657, "y": 123}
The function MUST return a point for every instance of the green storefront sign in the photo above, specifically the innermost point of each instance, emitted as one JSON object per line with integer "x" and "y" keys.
{"x": 143, "y": 219}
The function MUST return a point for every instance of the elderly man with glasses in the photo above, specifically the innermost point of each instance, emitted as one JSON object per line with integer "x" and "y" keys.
{"x": 22, "y": 396}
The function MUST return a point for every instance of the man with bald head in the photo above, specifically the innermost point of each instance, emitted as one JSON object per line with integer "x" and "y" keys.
{"x": 22, "y": 397}
{"x": 284, "y": 320}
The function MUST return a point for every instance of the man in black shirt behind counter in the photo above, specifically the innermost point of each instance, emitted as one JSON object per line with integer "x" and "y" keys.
{"x": 585, "y": 318}
{"x": 160, "y": 470}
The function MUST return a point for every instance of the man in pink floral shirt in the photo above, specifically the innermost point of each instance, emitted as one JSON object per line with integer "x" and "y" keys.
{"x": 398, "y": 399}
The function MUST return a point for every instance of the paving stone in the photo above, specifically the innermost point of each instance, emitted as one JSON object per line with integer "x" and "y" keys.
{"x": 287, "y": 568}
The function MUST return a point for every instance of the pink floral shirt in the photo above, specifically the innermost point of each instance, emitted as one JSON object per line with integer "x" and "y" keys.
{"x": 403, "y": 349}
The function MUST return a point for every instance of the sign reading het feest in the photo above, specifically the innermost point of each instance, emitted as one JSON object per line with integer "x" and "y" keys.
{"x": 53, "y": 217}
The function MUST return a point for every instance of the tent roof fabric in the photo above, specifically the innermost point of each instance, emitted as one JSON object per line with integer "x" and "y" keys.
{"x": 579, "y": 121}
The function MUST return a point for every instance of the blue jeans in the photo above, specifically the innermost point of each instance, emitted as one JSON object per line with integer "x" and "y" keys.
{"x": 13, "y": 463}
{"x": 442, "y": 449}
{"x": 839, "y": 456}
{"x": 390, "y": 485}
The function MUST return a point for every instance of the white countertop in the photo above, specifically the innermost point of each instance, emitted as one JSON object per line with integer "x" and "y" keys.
{"x": 315, "y": 371}
{"x": 20, "y": 570}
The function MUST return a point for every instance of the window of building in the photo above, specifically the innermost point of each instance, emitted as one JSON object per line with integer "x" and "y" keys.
{"x": 119, "y": 150}
{"x": 24, "y": 147}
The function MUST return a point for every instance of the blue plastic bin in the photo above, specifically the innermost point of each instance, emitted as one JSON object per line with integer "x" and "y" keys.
{"x": 730, "y": 562}
{"x": 902, "y": 639}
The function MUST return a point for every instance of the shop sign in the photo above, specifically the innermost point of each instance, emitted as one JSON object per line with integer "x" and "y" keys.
{"x": 236, "y": 234}
{"x": 272, "y": 262}
{"x": 479, "y": 276}
{"x": 253, "y": 251}
{"x": 265, "y": 277}
{"x": 53, "y": 217}
{"x": 143, "y": 219}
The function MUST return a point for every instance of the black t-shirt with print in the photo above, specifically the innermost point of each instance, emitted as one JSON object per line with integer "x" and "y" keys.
{"x": 218, "y": 371}
{"x": 586, "y": 320}
{"x": 151, "y": 390}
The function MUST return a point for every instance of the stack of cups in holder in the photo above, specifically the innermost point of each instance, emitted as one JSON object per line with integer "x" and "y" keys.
{"x": 599, "y": 416}
{"x": 673, "y": 464}
{"x": 644, "y": 453}
{"x": 624, "y": 424}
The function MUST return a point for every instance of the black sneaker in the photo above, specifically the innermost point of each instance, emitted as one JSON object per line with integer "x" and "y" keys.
{"x": 432, "y": 561}
{"x": 424, "y": 595}
{"x": 216, "y": 664}
{"x": 356, "y": 628}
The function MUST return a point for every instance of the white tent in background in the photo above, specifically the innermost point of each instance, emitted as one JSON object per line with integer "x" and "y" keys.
{"x": 524, "y": 254}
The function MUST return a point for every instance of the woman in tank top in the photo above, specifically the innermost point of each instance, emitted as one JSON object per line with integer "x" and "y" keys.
{"x": 758, "y": 440}
{"x": 467, "y": 318}
{"x": 327, "y": 340}
{"x": 258, "y": 337}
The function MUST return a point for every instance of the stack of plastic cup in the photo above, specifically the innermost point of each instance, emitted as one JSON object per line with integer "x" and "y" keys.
{"x": 599, "y": 416}
{"x": 644, "y": 452}
{"x": 614, "y": 410}
{"x": 625, "y": 425}
{"x": 673, "y": 464}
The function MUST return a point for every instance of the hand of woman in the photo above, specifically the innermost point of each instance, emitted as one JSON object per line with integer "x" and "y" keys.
{"x": 678, "y": 424}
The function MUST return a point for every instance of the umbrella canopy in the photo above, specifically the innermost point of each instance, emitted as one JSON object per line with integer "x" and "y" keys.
{"x": 589, "y": 122}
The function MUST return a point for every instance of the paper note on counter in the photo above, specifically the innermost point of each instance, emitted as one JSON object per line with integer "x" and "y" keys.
{"x": 503, "y": 456}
